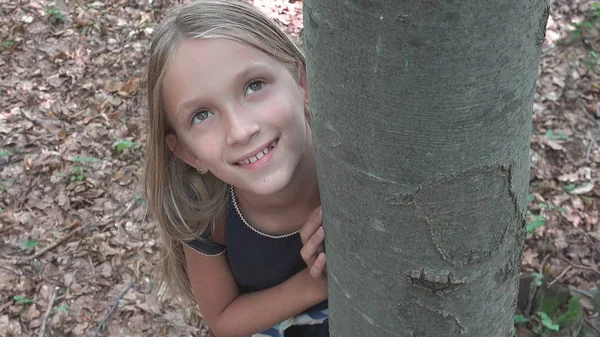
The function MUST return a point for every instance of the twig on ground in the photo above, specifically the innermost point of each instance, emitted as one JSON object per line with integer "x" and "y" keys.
{"x": 12, "y": 271}
{"x": 113, "y": 307}
{"x": 575, "y": 333}
{"x": 50, "y": 247}
{"x": 583, "y": 292}
{"x": 591, "y": 325}
{"x": 580, "y": 266}
{"x": 593, "y": 140}
{"x": 590, "y": 239}
{"x": 588, "y": 152}
{"x": 48, "y": 311}
{"x": 562, "y": 218}
{"x": 560, "y": 276}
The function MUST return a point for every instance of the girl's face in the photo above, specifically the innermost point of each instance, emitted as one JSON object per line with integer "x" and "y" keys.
{"x": 237, "y": 113}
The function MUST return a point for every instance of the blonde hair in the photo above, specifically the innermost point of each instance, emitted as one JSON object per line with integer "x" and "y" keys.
{"x": 183, "y": 202}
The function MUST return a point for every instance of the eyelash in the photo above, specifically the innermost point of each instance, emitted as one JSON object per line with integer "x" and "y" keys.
{"x": 254, "y": 82}
{"x": 198, "y": 112}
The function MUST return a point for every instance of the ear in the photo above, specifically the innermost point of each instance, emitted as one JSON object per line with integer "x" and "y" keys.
{"x": 302, "y": 79}
{"x": 181, "y": 151}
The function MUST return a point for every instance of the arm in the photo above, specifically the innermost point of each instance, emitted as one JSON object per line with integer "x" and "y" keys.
{"x": 229, "y": 314}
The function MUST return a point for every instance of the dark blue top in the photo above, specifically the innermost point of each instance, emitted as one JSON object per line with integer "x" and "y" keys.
{"x": 258, "y": 260}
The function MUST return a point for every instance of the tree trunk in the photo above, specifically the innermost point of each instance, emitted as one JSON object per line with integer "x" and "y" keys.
{"x": 421, "y": 113}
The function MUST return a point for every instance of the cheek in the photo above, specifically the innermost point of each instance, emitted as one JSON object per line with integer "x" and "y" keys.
{"x": 287, "y": 109}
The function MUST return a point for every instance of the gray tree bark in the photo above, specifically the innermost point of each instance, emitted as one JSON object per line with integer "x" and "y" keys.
{"x": 421, "y": 113}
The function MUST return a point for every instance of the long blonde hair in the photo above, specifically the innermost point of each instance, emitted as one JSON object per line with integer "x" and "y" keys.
{"x": 183, "y": 202}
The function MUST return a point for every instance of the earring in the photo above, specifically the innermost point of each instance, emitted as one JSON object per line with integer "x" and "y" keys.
{"x": 201, "y": 171}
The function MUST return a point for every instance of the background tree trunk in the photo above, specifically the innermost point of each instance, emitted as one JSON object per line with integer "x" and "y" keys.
{"x": 421, "y": 120}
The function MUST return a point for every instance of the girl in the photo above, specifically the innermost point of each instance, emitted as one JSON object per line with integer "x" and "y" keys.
{"x": 230, "y": 172}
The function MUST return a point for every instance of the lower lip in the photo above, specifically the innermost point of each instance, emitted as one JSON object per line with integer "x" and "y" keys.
{"x": 262, "y": 161}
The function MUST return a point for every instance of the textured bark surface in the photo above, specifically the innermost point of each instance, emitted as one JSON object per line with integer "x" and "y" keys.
{"x": 421, "y": 122}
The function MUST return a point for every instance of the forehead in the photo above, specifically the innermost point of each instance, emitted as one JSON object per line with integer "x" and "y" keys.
{"x": 204, "y": 68}
{"x": 214, "y": 59}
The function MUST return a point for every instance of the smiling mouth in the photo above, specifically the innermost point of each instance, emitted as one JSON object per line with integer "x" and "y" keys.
{"x": 260, "y": 154}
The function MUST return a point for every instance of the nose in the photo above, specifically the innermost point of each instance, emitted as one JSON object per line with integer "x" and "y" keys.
{"x": 242, "y": 126}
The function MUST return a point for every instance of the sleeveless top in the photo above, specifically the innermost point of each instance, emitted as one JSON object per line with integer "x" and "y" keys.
{"x": 258, "y": 260}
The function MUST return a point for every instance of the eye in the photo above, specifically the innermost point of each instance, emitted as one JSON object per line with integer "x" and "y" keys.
{"x": 254, "y": 86}
{"x": 200, "y": 115}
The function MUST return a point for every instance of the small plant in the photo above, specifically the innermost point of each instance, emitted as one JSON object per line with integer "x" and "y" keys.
{"x": 4, "y": 153}
{"x": 552, "y": 314}
{"x": 551, "y": 135}
{"x": 592, "y": 61}
{"x": 85, "y": 159}
{"x": 547, "y": 322}
{"x": 22, "y": 300}
{"x": 55, "y": 15}
{"x": 62, "y": 308}
{"x": 78, "y": 173}
{"x": 7, "y": 44}
{"x": 520, "y": 319}
{"x": 538, "y": 222}
{"x": 30, "y": 244}
{"x": 124, "y": 144}
{"x": 583, "y": 25}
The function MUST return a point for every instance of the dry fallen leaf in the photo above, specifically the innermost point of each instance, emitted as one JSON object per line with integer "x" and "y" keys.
{"x": 583, "y": 189}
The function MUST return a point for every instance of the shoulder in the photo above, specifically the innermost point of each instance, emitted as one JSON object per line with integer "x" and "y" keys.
{"x": 211, "y": 242}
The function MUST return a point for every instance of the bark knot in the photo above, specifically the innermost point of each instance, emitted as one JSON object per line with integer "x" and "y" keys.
{"x": 440, "y": 285}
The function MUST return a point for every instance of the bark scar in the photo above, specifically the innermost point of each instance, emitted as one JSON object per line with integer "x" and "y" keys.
{"x": 540, "y": 35}
{"x": 437, "y": 287}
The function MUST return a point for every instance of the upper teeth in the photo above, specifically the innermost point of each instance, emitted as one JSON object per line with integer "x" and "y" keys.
{"x": 256, "y": 157}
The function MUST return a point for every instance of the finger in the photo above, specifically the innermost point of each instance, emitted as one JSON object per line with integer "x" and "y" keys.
{"x": 310, "y": 250}
{"x": 312, "y": 224}
{"x": 318, "y": 267}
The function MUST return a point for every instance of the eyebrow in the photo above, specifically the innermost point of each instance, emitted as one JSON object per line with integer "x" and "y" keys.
{"x": 245, "y": 72}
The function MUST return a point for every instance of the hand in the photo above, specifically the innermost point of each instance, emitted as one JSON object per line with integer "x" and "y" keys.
{"x": 312, "y": 235}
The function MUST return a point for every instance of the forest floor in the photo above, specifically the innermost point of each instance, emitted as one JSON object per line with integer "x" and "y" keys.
{"x": 78, "y": 252}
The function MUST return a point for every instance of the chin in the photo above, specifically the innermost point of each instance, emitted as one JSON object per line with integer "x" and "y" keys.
{"x": 268, "y": 185}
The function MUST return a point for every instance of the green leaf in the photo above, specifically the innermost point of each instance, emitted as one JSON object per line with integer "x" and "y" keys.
{"x": 538, "y": 279}
{"x": 537, "y": 223}
{"x": 549, "y": 305}
{"x": 547, "y": 322}
{"x": 20, "y": 299}
{"x": 7, "y": 43}
{"x": 62, "y": 308}
{"x": 575, "y": 34}
{"x": 569, "y": 187}
{"x": 29, "y": 244}
{"x": 55, "y": 13}
{"x": 520, "y": 319}
{"x": 529, "y": 198}
{"x": 124, "y": 144}
{"x": 4, "y": 153}
{"x": 85, "y": 159}
{"x": 555, "y": 136}
{"x": 573, "y": 313}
